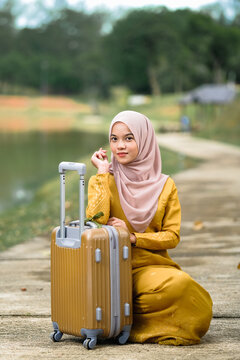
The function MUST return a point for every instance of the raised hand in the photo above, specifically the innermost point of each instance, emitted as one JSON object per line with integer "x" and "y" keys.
{"x": 100, "y": 161}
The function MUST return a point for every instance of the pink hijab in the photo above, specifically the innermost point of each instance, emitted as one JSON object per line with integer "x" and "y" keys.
{"x": 140, "y": 182}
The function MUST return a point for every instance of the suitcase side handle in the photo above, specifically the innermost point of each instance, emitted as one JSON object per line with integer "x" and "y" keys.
{"x": 81, "y": 169}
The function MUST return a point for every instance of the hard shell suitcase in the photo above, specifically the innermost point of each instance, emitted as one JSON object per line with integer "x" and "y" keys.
{"x": 91, "y": 277}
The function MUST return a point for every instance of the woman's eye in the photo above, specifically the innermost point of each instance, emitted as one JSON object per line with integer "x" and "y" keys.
{"x": 113, "y": 138}
{"x": 129, "y": 138}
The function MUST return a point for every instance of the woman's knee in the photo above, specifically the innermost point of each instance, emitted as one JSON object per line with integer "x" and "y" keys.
{"x": 180, "y": 282}
{"x": 193, "y": 298}
{"x": 157, "y": 280}
{"x": 162, "y": 291}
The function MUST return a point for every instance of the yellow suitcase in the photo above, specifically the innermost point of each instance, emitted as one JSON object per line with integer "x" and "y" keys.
{"x": 91, "y": 276}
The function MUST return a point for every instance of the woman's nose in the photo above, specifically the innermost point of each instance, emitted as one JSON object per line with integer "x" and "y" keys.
{"x": 121, "y": 144}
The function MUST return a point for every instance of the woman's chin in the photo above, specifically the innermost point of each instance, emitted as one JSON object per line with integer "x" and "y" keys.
{"x": 122, "y": 161}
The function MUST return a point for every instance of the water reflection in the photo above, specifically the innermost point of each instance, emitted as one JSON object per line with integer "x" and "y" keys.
{"x": 28, "y": 160}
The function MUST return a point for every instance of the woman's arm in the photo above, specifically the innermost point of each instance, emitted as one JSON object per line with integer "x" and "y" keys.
{"x": 99, "y": 197}
{"x": 169, "y": 235}
{"x": 98, "y": 188}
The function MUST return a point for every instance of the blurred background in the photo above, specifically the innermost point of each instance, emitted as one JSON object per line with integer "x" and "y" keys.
{"x": 67, "y": 67}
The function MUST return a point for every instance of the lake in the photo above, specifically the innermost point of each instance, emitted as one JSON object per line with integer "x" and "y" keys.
{"x": 30, "y": 159}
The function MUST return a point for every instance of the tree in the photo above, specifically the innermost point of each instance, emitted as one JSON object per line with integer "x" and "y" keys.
{"x": 151, "y": 50}
{"x": 7, "y": 31}
{"x": 159, "y": 50}
{"x": 68, "y": 51}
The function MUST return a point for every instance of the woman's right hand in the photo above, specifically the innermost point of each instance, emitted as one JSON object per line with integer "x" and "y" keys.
{"x": 100, "y": 161}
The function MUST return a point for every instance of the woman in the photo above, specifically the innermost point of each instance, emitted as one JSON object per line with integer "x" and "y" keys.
{"x": 169, "y": 306}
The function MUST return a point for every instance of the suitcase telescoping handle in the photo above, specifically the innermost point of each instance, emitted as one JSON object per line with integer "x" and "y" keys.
{"x": 81, "y": 169}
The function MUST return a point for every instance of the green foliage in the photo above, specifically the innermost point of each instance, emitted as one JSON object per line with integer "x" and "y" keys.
{"x": 6, "y": 31}
{"x": 149, "y": 50}
{"x": 94, "y": 219}
{"x": 63, "y": 56}
{"x": 175, "y": 50}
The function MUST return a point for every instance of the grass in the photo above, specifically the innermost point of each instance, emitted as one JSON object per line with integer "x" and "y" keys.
{"x": 40, "y": 216}
{"x": 173, "y": 162}
{"x": 162, "y": 111}
{"x": 22, "y": 113}
{"x": 52, "y": 113}
{"x": 216, "y": 122}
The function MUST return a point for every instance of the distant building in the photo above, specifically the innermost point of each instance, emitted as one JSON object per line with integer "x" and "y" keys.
{"x": 210, "y": 94}
{"x": 137, "y": 100}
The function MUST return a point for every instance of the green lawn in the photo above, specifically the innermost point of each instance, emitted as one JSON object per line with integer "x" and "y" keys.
{"x": 216, "y": 122}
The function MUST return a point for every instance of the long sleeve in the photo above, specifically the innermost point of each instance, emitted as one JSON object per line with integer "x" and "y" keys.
{"x": 168, "y": 235}
{"x": 99, "y": 197}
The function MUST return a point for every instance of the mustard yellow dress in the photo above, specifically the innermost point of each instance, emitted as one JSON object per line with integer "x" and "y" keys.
{"x": 169, "y": 307}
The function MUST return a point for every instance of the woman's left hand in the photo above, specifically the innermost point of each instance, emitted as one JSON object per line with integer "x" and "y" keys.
{"x": 113, "y": 221}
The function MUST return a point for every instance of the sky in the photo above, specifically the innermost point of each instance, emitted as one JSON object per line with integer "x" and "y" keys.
{"x": 171, "y": 4}
{"x": 31, "y": 13}
{"x": 113, "y": 4}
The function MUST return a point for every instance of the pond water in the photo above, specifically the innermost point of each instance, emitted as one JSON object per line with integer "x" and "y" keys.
{"x": 28, "y": 160}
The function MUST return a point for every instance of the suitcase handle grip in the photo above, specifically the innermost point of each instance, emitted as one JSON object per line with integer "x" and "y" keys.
{"x": 81, "y": 169}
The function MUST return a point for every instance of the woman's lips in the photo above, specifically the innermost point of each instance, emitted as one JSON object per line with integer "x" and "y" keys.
{"x": 121, "y": 154}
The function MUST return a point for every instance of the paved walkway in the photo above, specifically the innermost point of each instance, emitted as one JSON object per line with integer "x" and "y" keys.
{"x": 209, "y": 251}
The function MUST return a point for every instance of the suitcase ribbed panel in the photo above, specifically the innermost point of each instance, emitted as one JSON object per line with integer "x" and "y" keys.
{"x": 97, "y": 280}
{"x": 65, "y": 288}
{"x": 125, "y": 277}
{"x": 79, "y": 285}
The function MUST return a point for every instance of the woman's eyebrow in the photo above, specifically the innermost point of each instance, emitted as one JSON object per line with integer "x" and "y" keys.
{"x": 124, "y": 135}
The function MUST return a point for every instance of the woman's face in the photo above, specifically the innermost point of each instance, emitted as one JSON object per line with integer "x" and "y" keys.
{"x": 123, "y": 144}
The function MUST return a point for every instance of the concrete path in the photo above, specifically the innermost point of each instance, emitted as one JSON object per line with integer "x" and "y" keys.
{"x": 209, "y": 251}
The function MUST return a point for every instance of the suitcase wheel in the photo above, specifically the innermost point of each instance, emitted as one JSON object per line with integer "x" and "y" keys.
{"x": 56, "y": 336}
{"x": 89, "y": 343}
{"x": 123, "y": 337}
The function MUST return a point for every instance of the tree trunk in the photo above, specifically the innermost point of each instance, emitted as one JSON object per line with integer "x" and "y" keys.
{"x": 153, "y": 82}
{"x": 219, "y": 76}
